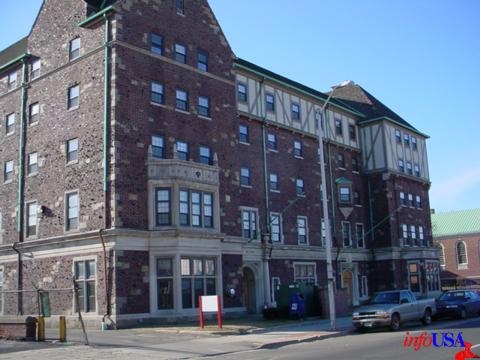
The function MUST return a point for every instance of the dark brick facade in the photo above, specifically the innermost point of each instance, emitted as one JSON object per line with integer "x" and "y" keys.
{"x": 123, "y": 206}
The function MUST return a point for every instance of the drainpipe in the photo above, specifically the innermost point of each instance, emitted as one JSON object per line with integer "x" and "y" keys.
{"x": 21, "y": 183}
{"x": 106, "y": 109}
{"x": 106, "y": 164}
{"x": 265, "y": 237}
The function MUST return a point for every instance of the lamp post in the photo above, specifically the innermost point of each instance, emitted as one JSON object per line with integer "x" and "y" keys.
{"x": 326, "y": 219}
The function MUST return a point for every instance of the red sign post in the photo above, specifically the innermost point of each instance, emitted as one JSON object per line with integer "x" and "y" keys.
{"x": 209, "y": 304}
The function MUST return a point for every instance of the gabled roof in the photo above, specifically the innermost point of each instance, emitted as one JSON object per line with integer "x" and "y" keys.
{"x": 241, "y": 63}
{"x": 13, "y": 51}
{"x": 456, "y": 223}
{"x": 358, "y": 98}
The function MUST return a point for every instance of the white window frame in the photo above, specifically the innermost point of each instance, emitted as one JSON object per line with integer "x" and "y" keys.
{"x": 72, "y": 148}
{"x": 8, "y": 171}
{"x": 33, "y": 113}
{"x": 249, "y": 218}
{"x": 31, "y": 219}
{"x": 72, "y": 210}
{"x": 10, "y": 124}
{"x": 36, "y": 68}
{"x": 180, "y": 53}
{"x": 74, "y": 48}
{"x": 73, "y": 97}
{"x": 32, "y": 163}
{"x": 276, "y": 227}
{"x": 302, "y": 230}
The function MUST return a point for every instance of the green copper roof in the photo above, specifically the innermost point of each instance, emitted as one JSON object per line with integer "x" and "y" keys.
{"x": 456, "y": 223}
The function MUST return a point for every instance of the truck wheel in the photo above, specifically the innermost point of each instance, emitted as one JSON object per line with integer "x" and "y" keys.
{"x": 395, "y": 322}
{"x": 427, "y": 317}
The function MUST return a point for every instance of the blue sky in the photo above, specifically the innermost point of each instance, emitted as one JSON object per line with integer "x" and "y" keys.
{"x": 420, "y": 58}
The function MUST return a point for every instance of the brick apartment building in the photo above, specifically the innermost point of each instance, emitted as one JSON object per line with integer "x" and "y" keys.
{"x": 146, "y": 161}
{"x": 457, "y": 234}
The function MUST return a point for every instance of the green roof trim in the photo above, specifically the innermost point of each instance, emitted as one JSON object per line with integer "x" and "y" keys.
{"x": 455, "y": 223}
{"x": 14, "y": 61}
{"x": 96, "y": 16}
{"x": 296, "y": 86}
{"x": 343, "y": 180}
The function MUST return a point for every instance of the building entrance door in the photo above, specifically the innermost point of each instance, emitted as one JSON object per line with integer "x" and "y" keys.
{"x": 347, "y": 277}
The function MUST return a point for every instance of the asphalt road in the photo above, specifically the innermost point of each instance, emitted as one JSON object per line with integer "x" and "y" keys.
{"x": 151, "y": 345}
{"x": 377, "y": 345}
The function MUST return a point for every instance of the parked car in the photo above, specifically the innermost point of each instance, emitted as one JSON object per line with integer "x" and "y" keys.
{"x": 458, "y": 304}
{"x": 392, "y": 308}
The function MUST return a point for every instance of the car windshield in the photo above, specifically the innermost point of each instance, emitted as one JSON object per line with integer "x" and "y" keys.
{"x": 454, "y": 295}
{"x": 386, "y": 298}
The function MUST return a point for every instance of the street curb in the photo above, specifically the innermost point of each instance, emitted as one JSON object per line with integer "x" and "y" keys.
{"x": 277, "y": 344}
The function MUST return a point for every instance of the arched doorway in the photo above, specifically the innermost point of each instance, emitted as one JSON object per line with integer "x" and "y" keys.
{"x": 347, "y": 282}
{"x": 249, "y": 298}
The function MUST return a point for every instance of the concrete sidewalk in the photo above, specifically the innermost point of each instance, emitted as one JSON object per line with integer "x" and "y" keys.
{"x": 173, "y": 342}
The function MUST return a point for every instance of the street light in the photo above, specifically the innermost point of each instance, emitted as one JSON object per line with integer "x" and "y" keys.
{"x": 323, "y": 191}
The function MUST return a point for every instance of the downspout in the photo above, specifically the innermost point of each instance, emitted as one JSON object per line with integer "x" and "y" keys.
{"x": 21, "y": 184}
{"x": 266, "y": 246}
{"x": 106, "y": 111}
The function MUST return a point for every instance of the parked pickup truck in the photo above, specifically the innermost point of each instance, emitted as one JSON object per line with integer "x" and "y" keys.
{"x": 392, "y": 308}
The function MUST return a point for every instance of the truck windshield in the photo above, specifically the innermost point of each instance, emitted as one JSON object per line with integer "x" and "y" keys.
{"x": 386, "y": 298}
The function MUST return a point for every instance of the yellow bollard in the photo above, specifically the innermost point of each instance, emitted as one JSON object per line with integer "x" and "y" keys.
{"x": 41, "y": 328}
{"x": 63, "y": 329}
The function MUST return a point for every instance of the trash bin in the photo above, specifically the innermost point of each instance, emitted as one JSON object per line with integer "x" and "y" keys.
{"x": 297, "y": 306}
{"x": 31, "y": 328}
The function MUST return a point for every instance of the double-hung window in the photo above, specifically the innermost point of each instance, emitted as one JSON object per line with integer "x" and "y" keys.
{"x": 181, "y": 100}
{"x": 202, "y": 60}
{"x": 352, "y": 132}
{"x": 347, "y": 234}
{"x": 32, "y": 165}
{"x": 270, "y": 102}
{"x": 71, "y": 211}
{"x": 345, "y": 194}
{"x": 180, "y": 5}
{"x": 242, "y": 92}
{"x": 85, "y": 278}
{"x": 360, "y": 235}
{"x": 299, "y": 187}
{"x": 249, "y": 224}
{"x": 196, "y": 208}
{"x": 275, "y": 227}
{"x": 297, "y": 148}
{"x": 10, "y": 123}
{"x": 156, "y": 44}
{"x": 72, "y": 150}
{"x": 198, "y": 277}
{"x": 157, "y": 93}
{"x": 74, "y": 49}
{"x": 338, "y": 127}
{"x": 243, "y": 134}
{"x": 273, "y": 181}
{"x": 204, "y": 106}
{"x": 182, "y": 150}
{"x": 33, "y": 113}
{"x": 73, "y": 97}
{"x": 302, "y": 230}
{"x": 245, "y": 179}
{"x": 205, "y": 155}
{"x": 272, "y": 141}
{"x": 158, "y": 146}
{"x": 181, "y": 53}
{"x": 295, "y": 111}
{"x": 8, "y": 171}
{"x": 12, "y": 80}
{"x": 401, "y": 165}
{"x": 31, "y": 226}
{"x": 35, "y": 71}
{"x": 163, "y": 207}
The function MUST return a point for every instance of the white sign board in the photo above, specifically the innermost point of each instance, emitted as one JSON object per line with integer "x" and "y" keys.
{"x": 209, "y": 303}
